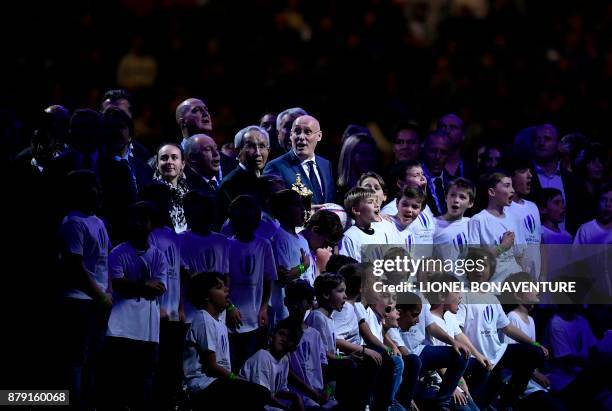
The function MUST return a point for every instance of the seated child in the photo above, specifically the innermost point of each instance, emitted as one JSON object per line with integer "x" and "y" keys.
{"x": 209, "y": 380}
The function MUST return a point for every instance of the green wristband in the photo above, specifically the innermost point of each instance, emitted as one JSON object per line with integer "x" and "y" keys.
{"x": 301, "y": 268}
{"x": 232, "y": 376}
{"x": 329, "y": 390}
{"x": 339, "y": 357}
{"x": 230, "y": 308}
{"x": 537, "y": 344}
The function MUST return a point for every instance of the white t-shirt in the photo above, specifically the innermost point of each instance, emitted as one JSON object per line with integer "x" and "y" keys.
{"x": 529, "y": 329}
{"x": 527, "y": 218}
{"x": 263, "y": 369}
{"x": 573, "y": 337}
{"x": 167, "y": 241}
{"x": 451, "y": 238}
{"x": 416, "y": 337}
{"x": 558, "y": 252}
{"x": 346, "y": 325}
{"x": 449, "y": 324}
{"x": 485, "y": 229}
{"x": 205, "y": 334}
{"x": 250, "y": 264}
{"x": 480, "y": 324}
{"x": 325, "y": 326}
{"x": 286, "y": 247}
{"x": 266, "y": 228}
{"x": 593, "y": 233}
{"x": 200, "y": 253}
{"x": 375, "y": 325}
{"x": 86, "y": 235}
{"x": 354, "y": 238}
{"x": 395, "y": 336}
{"x": 136, "y": 318}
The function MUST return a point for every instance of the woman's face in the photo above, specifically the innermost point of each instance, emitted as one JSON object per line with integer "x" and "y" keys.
{"x": 170, "y": 163}
{"x": 374, "y": 184}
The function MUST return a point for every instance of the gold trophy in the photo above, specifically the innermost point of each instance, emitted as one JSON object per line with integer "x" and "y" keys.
{"x": 306, "y": 195}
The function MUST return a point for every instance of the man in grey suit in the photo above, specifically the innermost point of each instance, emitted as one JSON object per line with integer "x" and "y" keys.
{"x": 315, "y": 171}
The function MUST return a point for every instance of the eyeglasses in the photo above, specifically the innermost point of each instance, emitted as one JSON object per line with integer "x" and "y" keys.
{"x": 306, "y": 131}
{"x": 253, "y": 146}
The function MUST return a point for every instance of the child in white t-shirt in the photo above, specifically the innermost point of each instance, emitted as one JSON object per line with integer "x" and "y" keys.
{"x": 291, "y": 250}
{"x": 481, "y": 318}
{"x": 172, "y": 328}
{"x": 410, "y": 202}
{"x": 405, "y": 174}
{"x": 139, "y": 274}
{"x": 87, "y": 299}
{"x": 556, "y": 251}
{"x": 270, "y": 367}
{"x": 307, "y": 362}
{"x": 209, "y": 380}
{"x": 451, "y": 234}
{"x": 202, "y": 250}
{"x": 598, "y": 230}
{"x": 536, "y": 394}
{"x": 495, "y": 229}
{"x": 444, "y": 309}
{"x": 251, "y": 272}
{"x": 362, "y": 205}
{"x": 527, "y": 216}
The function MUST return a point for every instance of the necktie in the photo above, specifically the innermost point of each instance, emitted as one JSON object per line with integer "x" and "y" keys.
{"x": 316, "y": 186}
{"x": 441, "y": 203}
{"x": 213, "y": 184}
{"x": 132, "y": 176}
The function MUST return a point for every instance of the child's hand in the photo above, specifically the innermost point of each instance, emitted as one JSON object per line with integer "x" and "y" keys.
{"x": 163, "y": 314}
{"x": 396, "y": 350}
{"x": 153, "y": 288}
{"x": 305, "y": 258}
{"x": 484, "y": 361}
{"x": 459, "y": 397}
{"x": 181, "y": 315}
{"x": 373, "y": 355}
{"x": 546, "y": 354}
{"x": 461, "y": 348}
{"x": 507, "y": 240}
{"x": 106, "y": 300}
{"x": 234, "y": 319}
{"x": 262, "y": 317}
{"x": 541, "y": 379}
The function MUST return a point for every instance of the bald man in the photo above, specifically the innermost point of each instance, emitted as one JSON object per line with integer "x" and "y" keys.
{"x": 193, "y": 117}
{"x": 315, "y": 171}
{"x": 452, "y": 125}
{"x": 203, "y": 162}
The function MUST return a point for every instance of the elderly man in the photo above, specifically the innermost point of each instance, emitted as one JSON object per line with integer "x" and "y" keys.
{"x": 203, "y": 162}
{"x": 315, "y": 171}
{"x": 252, "y": 144}
{"x": 193, "y": 117}
{"x": 284, "y": 122}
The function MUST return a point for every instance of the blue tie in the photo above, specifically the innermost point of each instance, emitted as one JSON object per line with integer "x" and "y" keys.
{"x": 316, "y": 187}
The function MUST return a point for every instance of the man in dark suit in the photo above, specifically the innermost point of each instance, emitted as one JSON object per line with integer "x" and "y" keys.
{"x": 456, "y": 166}
{"x": 253, "y": 146}
{"x": 435, "y": 153}
{"x": 193, "y": 118}
{"x": 315, "y": 171}
{"x": 203, "y": 160}
{"x": 548, "y": 173}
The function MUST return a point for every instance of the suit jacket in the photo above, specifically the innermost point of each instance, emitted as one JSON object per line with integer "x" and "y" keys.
{"x": 431, "y": 192}
{"x": 227, "y": 164}
{"x": 197, "y": 182}
{"x": 288, "y": 165}
{"x": 236, "y": 183}
{"x": 572, "y": 217}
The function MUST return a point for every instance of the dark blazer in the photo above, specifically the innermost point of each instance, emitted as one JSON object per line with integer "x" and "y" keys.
{"x": 431, "y": 200}
{"x": 197, "y": 182}
{"x": 236, "y": 183}
{"x": 573, "y": 219}
{"x": 288, "y": 165}
{"x": 228, "y": 164}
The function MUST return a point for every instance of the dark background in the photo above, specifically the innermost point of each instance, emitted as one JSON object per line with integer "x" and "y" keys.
{"x": 503, "y": 67}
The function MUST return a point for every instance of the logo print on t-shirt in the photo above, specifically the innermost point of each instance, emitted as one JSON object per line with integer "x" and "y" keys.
{"x": 530, "y": 224}
{"x": 210, "y": 258}
{"x": 488, "y": 313}
{"x": 423, "y": 220}
{"x": 247, "y": 265}
{"x": 170, "y": 256}
{"x": 460, "y": 241}
{"x": 223, "y": 344}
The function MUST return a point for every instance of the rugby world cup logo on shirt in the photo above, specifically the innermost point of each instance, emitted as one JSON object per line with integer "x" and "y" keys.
{"x": 460, "y": 242}
{"x": 530, "y": 223}
{"x": 223, "y": 344}
{"x": 423, "y": 220}
{"x": 247, "y": 265}
{"x": 488, "y": 313}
